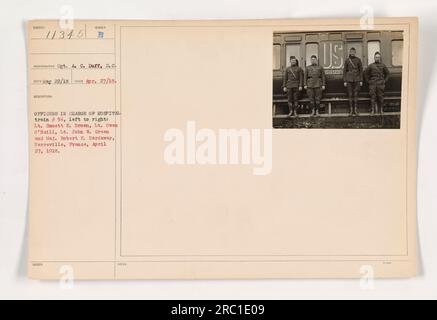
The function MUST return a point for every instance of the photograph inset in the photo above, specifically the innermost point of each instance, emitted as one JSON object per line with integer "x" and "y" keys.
{"x": 337, "y": 79}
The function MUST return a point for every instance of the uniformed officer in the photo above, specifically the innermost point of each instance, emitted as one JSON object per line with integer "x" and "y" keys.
{"x": 292, "y": 85}
{"x": 377, "y": 75}
{"x": 353, "y": 80}
{"x": 314, "y": 84}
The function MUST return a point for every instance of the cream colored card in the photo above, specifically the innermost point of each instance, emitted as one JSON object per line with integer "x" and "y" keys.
{"x": 163, "y": 149}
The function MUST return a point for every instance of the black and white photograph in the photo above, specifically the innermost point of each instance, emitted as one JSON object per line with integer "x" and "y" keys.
{"x": 337, "y": 79}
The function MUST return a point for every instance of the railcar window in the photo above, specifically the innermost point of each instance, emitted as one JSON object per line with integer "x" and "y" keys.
{"x": 311, "y": 48}
{"x": 372, "y": 47}
{"x": 276, "y": 56}
{"x": 396, "y": 52}
{"x": 292, "y": 50}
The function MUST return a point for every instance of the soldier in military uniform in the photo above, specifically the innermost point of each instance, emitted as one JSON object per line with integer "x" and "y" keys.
{"x": 292, "y": 85}
{"x": 377, "y": 75}
{"x": 314, "y": 84}
{"x": 353, "y": 80}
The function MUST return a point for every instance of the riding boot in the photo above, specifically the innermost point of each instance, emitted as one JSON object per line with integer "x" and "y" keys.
{"x": 290, "y": 109}
{"x": 374, "y": 109}
{"x": 295, "y": 110}
{"x": 356, "y": 108}
{"x": 313, "y": 111}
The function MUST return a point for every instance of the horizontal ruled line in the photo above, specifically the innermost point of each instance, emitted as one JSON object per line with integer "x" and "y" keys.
{"x": 39, "y": 53}
{"x": 54, "y": 68}
{"x": 67, "y": 84}
{"x": 72, "y": 39}
{"x": 146, "y": 261}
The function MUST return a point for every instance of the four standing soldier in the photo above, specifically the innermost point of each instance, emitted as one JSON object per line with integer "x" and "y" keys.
{"x": 353, "y": 80}
{"x": 377, "y": 75}
{"x": 314, "y": 84}
{"x": 293, "y": 82}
